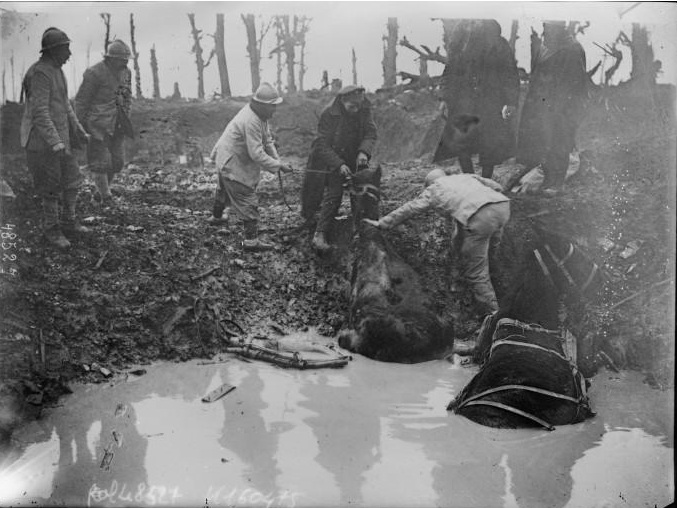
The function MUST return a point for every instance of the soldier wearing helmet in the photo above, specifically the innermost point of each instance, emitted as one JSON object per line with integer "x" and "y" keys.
{"x": 49, "y": 130}
{"x": 245, "y": 149}
{"x": 103, "y": 105}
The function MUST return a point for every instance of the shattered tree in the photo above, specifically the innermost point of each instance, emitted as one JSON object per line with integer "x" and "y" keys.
{"x": 389, "y": 61}
{"x": 301, "y": 27}
{"x": 135, "y": 57}
{"x": 106, "y": 21}
{"x": 354, "y": 61}
{"x": 287, "y": 45}
{"x": 220, "y": 48}
{"x": 254, "y": 45}
{"x": 199, "y": 61}
{"x": 424, "y": 56}
{"x": 514, "y": 27}
{"x": 154, "y": 72}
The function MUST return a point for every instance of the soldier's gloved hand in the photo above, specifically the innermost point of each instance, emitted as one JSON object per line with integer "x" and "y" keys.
{"x": 286, "y": 168}
{"x": 371, "y": 222}
{"x": 59, "y": 147}
{"x": 345, "y": 172}
{"x": 507, "y": 111}
{"x": 362, "y": 160}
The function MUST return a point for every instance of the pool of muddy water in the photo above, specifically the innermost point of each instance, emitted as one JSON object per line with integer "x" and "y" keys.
{"x": 370, "y": 434}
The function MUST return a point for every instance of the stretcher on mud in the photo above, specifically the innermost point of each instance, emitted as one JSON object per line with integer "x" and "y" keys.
{"x": 293, "y": 354}
{"x": 529, "y": 375}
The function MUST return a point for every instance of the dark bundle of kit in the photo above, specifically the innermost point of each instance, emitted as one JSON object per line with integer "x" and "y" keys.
{"x": 528, "y": 379}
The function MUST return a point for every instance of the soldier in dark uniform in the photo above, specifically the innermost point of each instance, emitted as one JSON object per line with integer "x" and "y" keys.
{"x": 345, "y": 141}
{"x": 482, "y": 92}
{"x": 554, "y": 105}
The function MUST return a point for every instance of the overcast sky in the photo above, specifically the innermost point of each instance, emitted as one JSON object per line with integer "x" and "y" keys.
{"x": 335, "y": 29}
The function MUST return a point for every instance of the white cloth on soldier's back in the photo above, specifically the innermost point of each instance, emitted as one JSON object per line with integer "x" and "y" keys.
{"x": 245, "y": 148}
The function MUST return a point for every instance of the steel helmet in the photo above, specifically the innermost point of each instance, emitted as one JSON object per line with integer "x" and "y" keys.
{"x": 266, "y": 94}
{"x": 53, "y": 37}
{"x": 351, "y": 90}
{"x": 118, "y": 49}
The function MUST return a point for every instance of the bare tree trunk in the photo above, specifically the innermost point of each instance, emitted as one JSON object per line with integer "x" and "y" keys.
{"x": 301, "y": 27}
{"x": 514, "y": 27}
{"x": 89, "y": 50}
{"x": 135, "y": 56}
{"x": 642, "y": 56}
{"x": 354, "y": 68}
{"x": 199, "y": 61}
{"x": 220, "y": 48}
{"x": 11, "y": 63}
{"x": 4, "y": 89}
{"x": 177, "y": 93}
{"x": 280, "y": 39}
{"x": 290, "y": 54}
{"x": 106, "y": 20}
{"x": 252, "y": 50}
{"x": 302, "y": 46}
{"x": 390, "y": 54}
{"x": 154, "y": 72}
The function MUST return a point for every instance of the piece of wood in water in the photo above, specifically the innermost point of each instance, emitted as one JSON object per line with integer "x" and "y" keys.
{"x": 218, "y": 393}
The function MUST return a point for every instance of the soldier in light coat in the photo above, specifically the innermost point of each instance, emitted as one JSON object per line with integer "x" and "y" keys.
{"x": 480, "y": 210}
{"x": 244, "y": 150}
{"x": 49, "y": 131}
{"x": 103, "y": 105}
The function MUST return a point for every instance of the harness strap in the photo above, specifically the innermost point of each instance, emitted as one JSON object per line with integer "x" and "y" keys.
{"x": 521, "y": 387}
{"x": 593, "y": 272}
{"x": 544, "y": 268}
{"x": 514, "y": 410}
{"x": 502, "y": 342}
{"x": 560, "y": 262}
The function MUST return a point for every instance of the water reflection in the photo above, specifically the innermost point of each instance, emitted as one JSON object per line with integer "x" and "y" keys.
{"x": 371, "y": 434}
{"x": 346, "y": 427}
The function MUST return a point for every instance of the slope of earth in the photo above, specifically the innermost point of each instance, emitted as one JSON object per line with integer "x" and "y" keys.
{"x": 153, "y": 278}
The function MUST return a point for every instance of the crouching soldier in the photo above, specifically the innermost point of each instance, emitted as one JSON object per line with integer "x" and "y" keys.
{"x": 244, "y": 149}
{"x": 345, "y": 140}
{"x": 103, "y": 104}
{"x": 481, "y": 212}
{"x": 49, "y": 128}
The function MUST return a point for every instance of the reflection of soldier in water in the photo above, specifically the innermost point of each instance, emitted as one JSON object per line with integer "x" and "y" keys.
{"x": 118, "y": 453}
{"x": 245, "y": 433}
{"x": 347, "y": 450}
{"x": 533, "y": 470}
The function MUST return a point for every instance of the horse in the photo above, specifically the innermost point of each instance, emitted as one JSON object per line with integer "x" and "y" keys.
{"x": 529, "y": 374}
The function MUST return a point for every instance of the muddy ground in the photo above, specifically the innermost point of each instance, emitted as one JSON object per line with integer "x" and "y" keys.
{"x": 153, "y": 279}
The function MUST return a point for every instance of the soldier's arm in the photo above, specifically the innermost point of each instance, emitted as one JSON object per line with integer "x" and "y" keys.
{"x": 408, "y": 210}
{"x": 85, "y": 96}
{"x": 39, "y": 92}
{"x": 322, "y": 144}
{"x": 255, "y": 148}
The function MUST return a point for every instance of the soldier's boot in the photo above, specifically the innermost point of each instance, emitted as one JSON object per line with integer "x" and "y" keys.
{"x": 50, "y": 224}
{"x": 252, "y": 242}
{"x": 70, "y": 224}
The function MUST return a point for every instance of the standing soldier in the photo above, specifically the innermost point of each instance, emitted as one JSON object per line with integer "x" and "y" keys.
{"x": 345, "y": 140}
{"x": 49, "y": 128}
{"x": 482, "y": 92}
{"x": 244, "y": 149}
{"x": 554, "y": 105}
{"x": 103, "y": 104}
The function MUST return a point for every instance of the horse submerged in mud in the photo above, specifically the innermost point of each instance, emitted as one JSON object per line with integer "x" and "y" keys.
{"x": 390, "y": 312}
{"x": 529, "y": 374}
